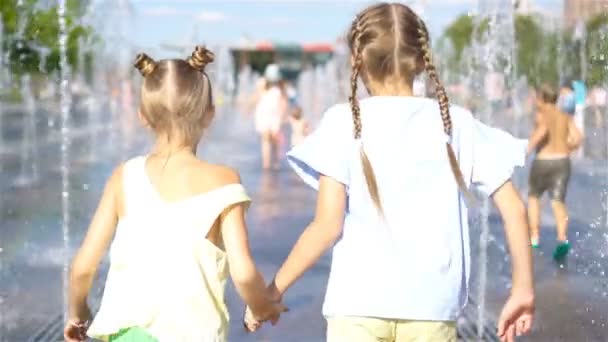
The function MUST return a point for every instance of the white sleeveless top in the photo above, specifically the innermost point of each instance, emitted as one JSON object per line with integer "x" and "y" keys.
{"x": 415, "y": 263}
{"x": 165, "y": 276}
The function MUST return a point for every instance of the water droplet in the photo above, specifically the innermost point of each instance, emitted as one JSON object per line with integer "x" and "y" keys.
{"x": 85, "y": 186}
{"x": 65, "y": 194}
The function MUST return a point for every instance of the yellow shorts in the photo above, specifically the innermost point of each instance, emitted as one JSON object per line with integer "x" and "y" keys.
{"x": 364, "y": 329}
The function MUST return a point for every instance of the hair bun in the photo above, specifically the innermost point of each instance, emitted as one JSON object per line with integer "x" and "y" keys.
{"x": 145, "y": 64}
{"x": 200, "y": 58}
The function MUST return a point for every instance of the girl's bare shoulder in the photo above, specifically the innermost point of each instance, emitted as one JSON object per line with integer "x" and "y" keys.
{"x": 207, "y": 176}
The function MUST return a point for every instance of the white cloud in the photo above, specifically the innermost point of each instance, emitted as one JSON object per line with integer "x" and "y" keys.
{"x": 162, "y": 11}
{"x": 211, "y": 16}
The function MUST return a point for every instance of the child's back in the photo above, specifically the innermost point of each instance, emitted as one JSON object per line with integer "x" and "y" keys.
{"x": 390, "y": 171}
{"x": 419, "y": 247}
{"x": 174, "y": 224}
{"x": 559, "y": 126}
{"x": 166, "y": 274}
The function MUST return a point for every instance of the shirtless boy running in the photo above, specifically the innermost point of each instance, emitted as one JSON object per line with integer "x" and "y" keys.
{"x": 553, "y": 139}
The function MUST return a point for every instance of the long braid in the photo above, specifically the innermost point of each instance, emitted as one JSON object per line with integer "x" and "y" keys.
{"x": 368, "y": 171}
{"x": 444, "y": 104}
{"x": 354, "y": 103}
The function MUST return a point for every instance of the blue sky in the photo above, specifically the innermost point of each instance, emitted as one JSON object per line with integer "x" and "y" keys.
{"x": 155, "y": 22}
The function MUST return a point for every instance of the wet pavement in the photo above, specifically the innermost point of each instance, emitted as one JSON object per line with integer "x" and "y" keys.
{"x": 572, "y": 298}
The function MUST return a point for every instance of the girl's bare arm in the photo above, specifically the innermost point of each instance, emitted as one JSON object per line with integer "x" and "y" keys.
{"x": 513, "y": 213}
{"x": 94, "y": 246}
{"x": 248, "y": 281}
{"x": 318, "y": 237}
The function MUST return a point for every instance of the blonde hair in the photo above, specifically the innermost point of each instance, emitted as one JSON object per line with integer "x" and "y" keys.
{"x": 390, "y": 40}
{"x": 548, "y": 93}
{"x": 176, "y": 95}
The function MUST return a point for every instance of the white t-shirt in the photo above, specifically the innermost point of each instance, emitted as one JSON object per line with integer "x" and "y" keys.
{"x": 414, "y": 264}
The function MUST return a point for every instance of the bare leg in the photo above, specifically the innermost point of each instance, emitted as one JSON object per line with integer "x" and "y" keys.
{"x": 561, "y": 218}
{"x": 266, "y": 150}
{"x": 598, "y": 117}
{"x": 274, "y": 149}
{"x": 534, "y": 219}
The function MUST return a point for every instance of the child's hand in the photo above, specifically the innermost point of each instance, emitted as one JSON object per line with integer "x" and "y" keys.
{"x": 253, "y": 320}
{"x": 76, "y": 328}
{"x": 249, "y": 322}
{"x": 516, "y": 316}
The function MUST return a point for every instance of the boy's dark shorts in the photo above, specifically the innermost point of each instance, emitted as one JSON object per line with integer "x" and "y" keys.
{"x": 550, "y": 175}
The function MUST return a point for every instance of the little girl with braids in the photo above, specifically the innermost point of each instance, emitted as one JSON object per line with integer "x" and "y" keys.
{"x": 173, "y": 223}
{"x": 392, "y": 173}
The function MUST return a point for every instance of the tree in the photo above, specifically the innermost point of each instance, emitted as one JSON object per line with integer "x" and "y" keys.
{"x": 460, "y": 35}
{"x": 536, "y": 51}
{"x": 542, "y": 55}
{"x": 597, "y": 49}
{"x": 31, "y": 35}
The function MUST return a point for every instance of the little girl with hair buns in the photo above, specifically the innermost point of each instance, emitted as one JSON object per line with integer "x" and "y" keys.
{"x": 173, "y": 223}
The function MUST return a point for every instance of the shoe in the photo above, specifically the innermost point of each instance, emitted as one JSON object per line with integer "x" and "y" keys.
{"x": 561, "y": 250}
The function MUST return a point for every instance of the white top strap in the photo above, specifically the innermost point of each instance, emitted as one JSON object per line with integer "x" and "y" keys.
{"x": 213, "y": 203}
{"x": 134, "y": 184}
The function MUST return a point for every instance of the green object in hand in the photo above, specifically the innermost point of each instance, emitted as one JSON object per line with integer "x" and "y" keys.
{"x": 133, "y": 334}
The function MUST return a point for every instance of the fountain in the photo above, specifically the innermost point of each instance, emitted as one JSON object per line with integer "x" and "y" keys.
{"x": 29, "y": 139}
{"x": 90, "y": 103}
{"x": 3, "y": 85}
{"x": 223, "y": 79}
{"x": 65, "y": 104}
{"x": 28, "y": 149}
{"x": 493, "y": 72}
{"x": 604, "y": 57}
{"x": 319, "y": 87}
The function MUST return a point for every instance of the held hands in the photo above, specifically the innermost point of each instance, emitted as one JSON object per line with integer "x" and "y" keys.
{"x": 76, "y": 328}
{"x": 253, "y": 319}
{"x": 516, "y": 316}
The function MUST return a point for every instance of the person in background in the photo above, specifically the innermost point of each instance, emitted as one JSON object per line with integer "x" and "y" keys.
{"x": 580, "y": 104}
{"x": 566, "y": 101}
{"x": 598, "y": 102}
{"x": 553, "y": 140}
{"x": 299, "y": 126}
{"x": 270, "y": 112}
